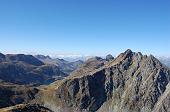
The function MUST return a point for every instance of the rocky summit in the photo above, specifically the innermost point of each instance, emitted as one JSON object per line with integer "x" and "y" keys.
{"x": 131, "y": 82}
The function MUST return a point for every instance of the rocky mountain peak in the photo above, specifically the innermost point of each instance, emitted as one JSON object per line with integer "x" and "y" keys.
{"x": 128, "y": 51}
{"x": 109, "y": 57}
{"x": 125, "y": 56}
{"x": 42, "y": 57}
{"x": 132, "y": 82}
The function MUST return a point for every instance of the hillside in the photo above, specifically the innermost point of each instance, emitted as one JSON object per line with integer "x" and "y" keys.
{"x": 65, "y": 66}
{"x": 26, "y": 69}
{"x": 132, "y": 82}
{"x": 12, "y": 94}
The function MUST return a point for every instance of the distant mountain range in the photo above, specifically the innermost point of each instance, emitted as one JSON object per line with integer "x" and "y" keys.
{"x": 130, "y": 82}
{"x": 20, "y": 75}
{"x": 27, "y": 69}
{"x": 165, "y": 60}
{"x": 66, "y": 66}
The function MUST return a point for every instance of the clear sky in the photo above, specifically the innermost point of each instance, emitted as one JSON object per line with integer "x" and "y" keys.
{"x": 89, "y": 27}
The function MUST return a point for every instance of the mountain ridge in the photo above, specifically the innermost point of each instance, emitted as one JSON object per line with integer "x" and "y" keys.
{"x": 143, "y": 75}
{"x": 26, "y": 69}
{"x": 66, "y": 66}
{"x": 130, "y": 82}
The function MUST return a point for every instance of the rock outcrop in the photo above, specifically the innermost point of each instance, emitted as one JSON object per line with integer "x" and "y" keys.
{"x": 109, "y": 57}
{"x": 26, "y": 108}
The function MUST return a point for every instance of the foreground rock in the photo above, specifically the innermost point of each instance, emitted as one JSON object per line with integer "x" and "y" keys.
{"x": 12, "y": 94}
{"x": 109, "y": 57}
{"x": 26, "y": 108}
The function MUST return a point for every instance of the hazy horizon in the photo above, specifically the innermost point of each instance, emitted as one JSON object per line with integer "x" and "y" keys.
{"x": 80, "y": 56}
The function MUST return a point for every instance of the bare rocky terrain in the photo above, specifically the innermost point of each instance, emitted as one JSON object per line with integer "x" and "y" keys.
{"x": 131, "y": 82}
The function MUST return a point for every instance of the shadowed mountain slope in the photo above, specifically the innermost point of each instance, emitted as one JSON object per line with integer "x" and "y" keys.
{"x": 12, "y": 94}
{"x": 26, "y": 69}
{"x": 132, "y": 82}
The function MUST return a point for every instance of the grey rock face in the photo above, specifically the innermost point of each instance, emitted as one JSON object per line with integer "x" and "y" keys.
{"x": 129, "y": 83}
{"x": 80, "y": 92}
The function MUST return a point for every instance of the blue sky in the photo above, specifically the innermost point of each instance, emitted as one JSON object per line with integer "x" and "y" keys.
{"x": 89, "y": 27}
